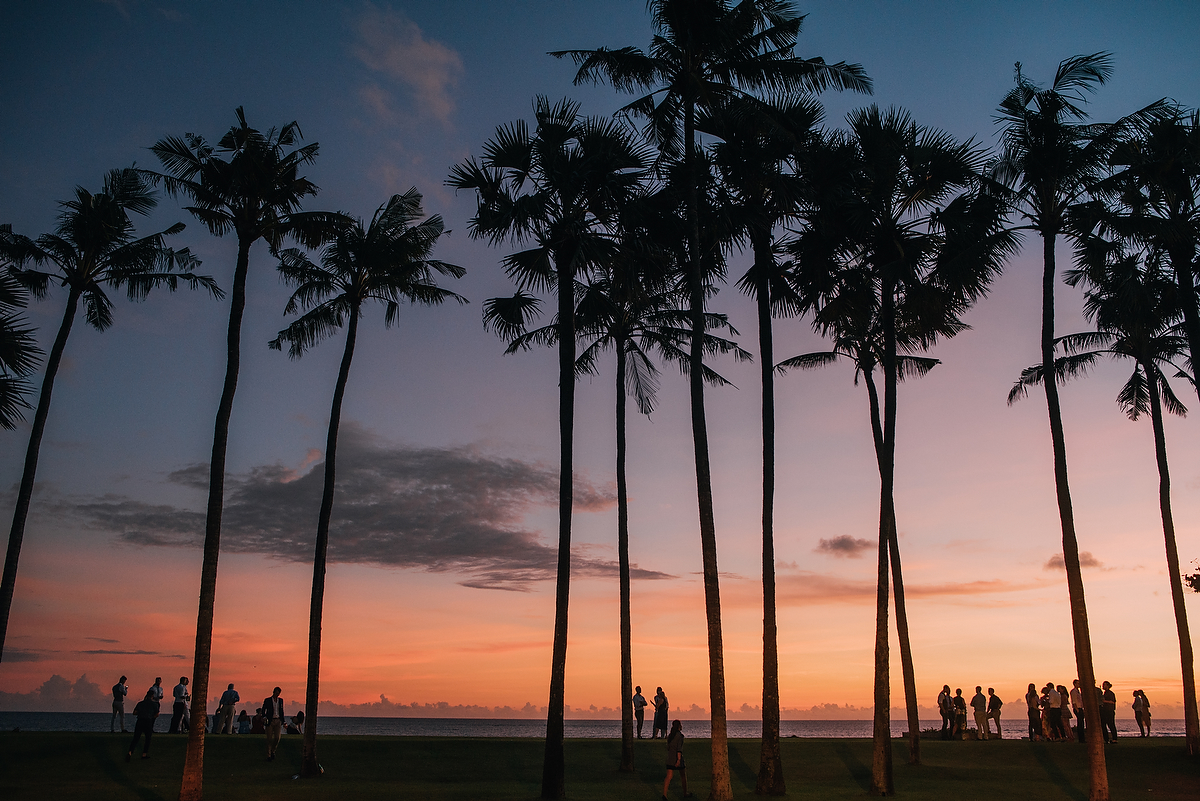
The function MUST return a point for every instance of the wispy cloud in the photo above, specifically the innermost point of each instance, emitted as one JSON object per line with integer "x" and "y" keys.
{"x": 844, "y": 546}
{"x": 393, "y": 45}
{"x": 1086, "y": 559}
{"x": 136, "y": 652}
{"x": 439, "y": 509}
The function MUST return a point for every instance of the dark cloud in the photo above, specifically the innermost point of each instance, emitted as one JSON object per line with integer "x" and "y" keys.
{"x": 439, "y": 509}
{"x": 19, "y": 655}
{"x": 845, "y": 546}
{"x": 1086, "y": 559}
{"x": 102, "y": 639}
{"x": 107, "y": 651}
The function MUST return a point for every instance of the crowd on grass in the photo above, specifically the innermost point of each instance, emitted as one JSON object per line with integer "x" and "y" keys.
{"x": 268, "y": 719}
{"x": 1051, "y": 711}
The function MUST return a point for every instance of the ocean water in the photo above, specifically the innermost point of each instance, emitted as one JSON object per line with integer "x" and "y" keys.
{"x": 583, "y": 729}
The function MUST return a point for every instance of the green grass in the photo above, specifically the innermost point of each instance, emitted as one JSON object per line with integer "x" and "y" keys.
{"x": 45, "y": 766}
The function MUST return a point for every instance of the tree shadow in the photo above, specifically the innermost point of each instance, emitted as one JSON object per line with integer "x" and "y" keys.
{"x": 114, "y": 768}
{"x": 1055, "y": 774}
{"x": 740, "y": 769}
{"x": 860, "y": 772}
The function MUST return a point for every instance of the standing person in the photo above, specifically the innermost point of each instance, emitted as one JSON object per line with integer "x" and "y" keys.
{"x": 229, "y": 700}
{"x": 1108, "y": 713}
{"x": 1065, "y": 706}
{"x": 157, "y": 689}
{"x": 946, "y": 709}
{"x": 639, "y": 709}
{"x": 1145, "y": 710}
{"x": 675, "y": 758}
{"x": 1077, "y": 708}
{"x": 272, "y": 710}
{"x": 660, "y": 713}
{"x": 1035, "y": 713}
{"x": 1053, "y": 712}
{"x": 979, "y": 706}
{"x": 993, "y": 711}
{"x": 960, "y": 716}
{"x": 1141, "y": 712}
{"x": 145, "y": 711}
{"x": 179, "y": 707}
{"x": 119, "y": 691}
{"x": 257, "y": 724}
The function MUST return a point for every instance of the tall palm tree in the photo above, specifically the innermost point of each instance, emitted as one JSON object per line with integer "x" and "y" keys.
{"x": 248, "y": 185}
{"x": 754, "y": 160}
{"x": 94, "y": 246}
{"x": 1134, "y": 304}
{"x": 559, "y": 188}
{"x": 875, "y": 237}
{"x": 1157, "y": 190}
{"x": 19, "y": 353}
{"x": 1052, "y": 158}
{"x": 388, "y": 261}
{"x": 703, "y": 52}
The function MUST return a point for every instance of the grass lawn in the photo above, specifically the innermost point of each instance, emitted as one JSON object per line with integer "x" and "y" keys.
{"x": 42, "y": 766}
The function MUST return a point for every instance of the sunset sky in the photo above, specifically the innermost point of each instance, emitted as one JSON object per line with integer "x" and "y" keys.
{"x": 444, "y": 529}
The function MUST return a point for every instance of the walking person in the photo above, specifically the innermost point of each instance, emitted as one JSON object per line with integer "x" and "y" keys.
{"x": 272, "y": 710}
{"x": 1032, "y": 702}
{"x": 993, "y": 712}
{"x": 1108, "y": 713}
{"x": 946, "y": 710}
{"x": 639, "y": 709}
{"x": 229, "y": 700}
{"x": 660, "y": 714}
{"x": 179, "y": 708}
{"x": 119, "y": 691}
{"x": 675, "y": 759}
{"x": 145, "y": 712}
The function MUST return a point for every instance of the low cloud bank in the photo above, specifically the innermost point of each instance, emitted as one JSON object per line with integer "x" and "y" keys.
{"x": 58, "y": 694}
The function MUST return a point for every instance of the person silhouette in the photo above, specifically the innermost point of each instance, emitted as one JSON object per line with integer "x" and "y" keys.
{"x": 661, "y": 706}
{"x": 639, "y": 709}
{"x": 145, "y": 711}
{"x": 119, "y": 691}
{"x": 675, "y": 759}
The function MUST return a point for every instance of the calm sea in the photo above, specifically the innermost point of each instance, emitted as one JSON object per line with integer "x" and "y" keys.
{"x": 486, "y": 727}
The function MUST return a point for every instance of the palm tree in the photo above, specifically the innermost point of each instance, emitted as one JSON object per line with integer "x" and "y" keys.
{"x": 389, "y": 261}
{"x": 560, "y": 188}
{"x": 1158, "y": 194}
{"x": 248, "y": 185}
{"x": 876, "y": 245}
{"x": 703, "y": 52}
{"x": 93, "y": 246}
{"x": 1052, "y": 158}
{"x": 19, "y": 352}
{"x": 1135, "y": 304}
{"x": 754, "y": 159}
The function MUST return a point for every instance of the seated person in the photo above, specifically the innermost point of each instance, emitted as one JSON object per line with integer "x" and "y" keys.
{"x": 296, "y": 724}
{"x": 256, "y": 723}
{"x": 243, "y": 723}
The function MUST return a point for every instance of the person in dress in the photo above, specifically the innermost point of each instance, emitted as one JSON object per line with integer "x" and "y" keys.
{"x": 1034, "y": 710}
{"x": 119, "y": 691}
{"x": 145, "y": 712}
{"x": 1064, "y": 703}
{"x": 675, "y": 759}
{"x": 244, "y": 724}
{"x": 660, "y": 713}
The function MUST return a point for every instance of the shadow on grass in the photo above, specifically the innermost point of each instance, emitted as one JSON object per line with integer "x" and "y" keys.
{"x": 116, "y": 771}
{"x": 860, "y": 772}
{"x": 740, "y": 769}
{"x": 1054, "y": 772}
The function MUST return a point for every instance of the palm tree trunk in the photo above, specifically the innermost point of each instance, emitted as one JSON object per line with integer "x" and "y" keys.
{"x": 770, "y": 763}
{"x": 1098, "y": 771}
{"x": 1191, "y": 720}
{"x": 308, "y": 759}
{"x": 721, "y": 788}
{"x": 623, "y": 562}
{"x": 554, "y": 763}
{"x": 906, "y": 663}
{"x": 192, "y": 788}
{"x": 881, "y": 752}
{"x": 1181, "y": 260}
{"x": 25, "y": 493}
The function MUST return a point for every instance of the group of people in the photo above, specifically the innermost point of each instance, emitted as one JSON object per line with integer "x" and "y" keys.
{"x": 1052, "y": 710}
{"x": 269, "y": 719}
{"x": 661, "y": 706}
{"x": 953, "y": 709}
